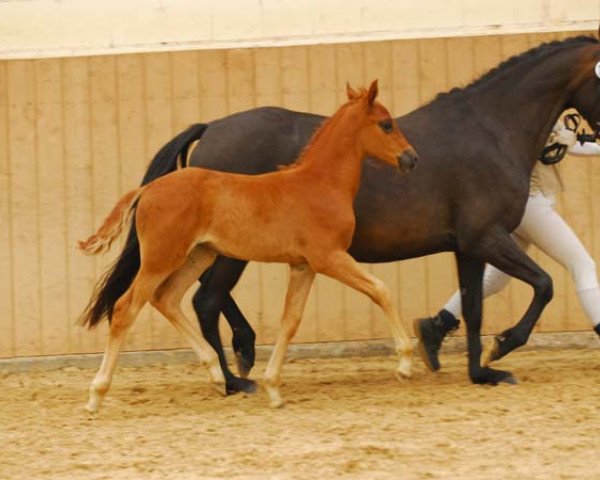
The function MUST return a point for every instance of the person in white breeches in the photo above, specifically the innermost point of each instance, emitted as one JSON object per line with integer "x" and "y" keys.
{"x": 543, "y": 227}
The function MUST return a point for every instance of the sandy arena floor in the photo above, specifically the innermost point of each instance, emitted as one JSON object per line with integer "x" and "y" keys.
{"x": 344, "y": 418}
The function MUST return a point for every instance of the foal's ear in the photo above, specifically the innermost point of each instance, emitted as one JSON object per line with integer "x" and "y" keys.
{"x": 373, "y": 91}
{"x": 352, "y": 94}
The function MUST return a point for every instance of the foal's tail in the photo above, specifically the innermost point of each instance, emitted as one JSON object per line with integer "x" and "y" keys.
{"x": 113, "y": 224}
{"x": 117, "y": 279}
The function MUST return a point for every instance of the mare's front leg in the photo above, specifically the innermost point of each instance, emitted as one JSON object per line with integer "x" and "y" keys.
{"x": 470, "y": 275}
{"x": 213, "y": 297}
{"x": 301, "y": 279}
{"x": 512, "y": 260}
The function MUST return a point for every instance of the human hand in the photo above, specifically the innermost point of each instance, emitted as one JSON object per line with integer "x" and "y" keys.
{"x": 565, "y": 137}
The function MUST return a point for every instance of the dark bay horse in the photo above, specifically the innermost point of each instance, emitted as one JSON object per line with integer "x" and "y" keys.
{"x": 467, "y": 197}
{"x": 302, "y": 215}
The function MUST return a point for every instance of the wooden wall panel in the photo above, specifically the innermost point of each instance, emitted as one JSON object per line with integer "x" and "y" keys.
{"x": 79, "y": 190}
{"x": 52, "y": 206}
{"x": 7, "y": 346}
{"x": 24, "y": 208}
{"x": 77, "y": 133}
{"x": 186, "y": 89}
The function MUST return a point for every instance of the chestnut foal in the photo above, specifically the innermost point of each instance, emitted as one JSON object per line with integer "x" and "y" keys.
{"x": 300, "y": 215}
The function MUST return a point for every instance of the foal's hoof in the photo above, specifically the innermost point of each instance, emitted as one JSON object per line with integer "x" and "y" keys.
{"x": 275, "y": 400}
{"x": 94, "y": 401}
{"x": 243, "y": 366}
{"x": 491, "y": 352}
{"x": 404, "y": 370}
{"x": 489, "y": 376}
{"x": 235, "y": 385}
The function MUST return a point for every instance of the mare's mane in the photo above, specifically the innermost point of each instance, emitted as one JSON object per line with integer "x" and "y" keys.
{"x": 541, "y": 50}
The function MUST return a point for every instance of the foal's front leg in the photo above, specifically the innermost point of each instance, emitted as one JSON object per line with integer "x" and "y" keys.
{"x": 344, "y": 268}
{"x": 301, "y": 279}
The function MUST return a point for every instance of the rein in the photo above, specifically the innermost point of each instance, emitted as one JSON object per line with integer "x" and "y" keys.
{"x": 555, "y": 152}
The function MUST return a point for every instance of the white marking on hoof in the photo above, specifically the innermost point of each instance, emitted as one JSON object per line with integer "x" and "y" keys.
{"x": 490, "y": 350}
{"x": 275, "y": 400}
{"x": 216, "y": 374}
{"x": 404, "y": 369}
{"x": 92, "y": 406}
{"x": 220, "y": 388}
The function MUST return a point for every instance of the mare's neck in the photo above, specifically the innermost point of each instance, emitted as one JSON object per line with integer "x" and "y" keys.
{"x": 334, "y": 158}
{"x": 526, "y": 102}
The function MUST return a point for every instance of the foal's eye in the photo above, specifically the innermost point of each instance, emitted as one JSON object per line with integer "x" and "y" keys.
{"x": 387, "y": 126}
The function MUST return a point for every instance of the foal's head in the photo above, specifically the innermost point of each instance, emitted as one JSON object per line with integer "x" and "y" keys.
{"x": 379, "y": 135}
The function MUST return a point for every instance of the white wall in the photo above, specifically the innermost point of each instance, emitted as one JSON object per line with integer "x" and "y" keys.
{"x": 51, "y": 28}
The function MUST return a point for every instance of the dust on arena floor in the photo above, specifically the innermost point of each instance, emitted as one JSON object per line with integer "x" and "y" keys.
{"x": 344, "y": 418}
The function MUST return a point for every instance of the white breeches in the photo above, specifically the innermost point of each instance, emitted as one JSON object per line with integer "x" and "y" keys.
{"x": 544, "y": 228}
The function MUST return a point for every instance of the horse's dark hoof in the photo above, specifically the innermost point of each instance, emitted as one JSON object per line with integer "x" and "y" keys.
{"x": 243, "y": 366}
{"x": 510, "y": 379}
{"x": 489, "y": 376}
{"x": 235, "y": 385}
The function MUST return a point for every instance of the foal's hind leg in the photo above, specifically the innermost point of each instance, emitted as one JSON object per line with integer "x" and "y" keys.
{"x": 125, "y": 312}
{"x": 301, "y": 279}
{"x": 344, "y": 268}
{"x": 167, "y": 300}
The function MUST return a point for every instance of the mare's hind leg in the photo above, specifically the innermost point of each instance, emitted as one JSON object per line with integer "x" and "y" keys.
{"x": 512, "y": 260}
{"x": 470, "y": 274}
{"x": 167, "y": 300}
{"x": 213, "y": 297}
{"x": 344, "y": 268}
{"x": 301, "y": 279}
{"x": 125, "y": 312}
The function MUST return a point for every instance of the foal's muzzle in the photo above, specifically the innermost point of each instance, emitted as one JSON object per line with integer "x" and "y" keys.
{"x": 408, "y": 160}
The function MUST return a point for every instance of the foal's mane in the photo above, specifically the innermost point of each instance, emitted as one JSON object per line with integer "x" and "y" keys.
{"x": 319, "y": 131}
{"x": 540, "y": 50}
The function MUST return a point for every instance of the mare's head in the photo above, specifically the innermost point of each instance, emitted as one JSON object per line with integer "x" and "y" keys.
{"x": 585, "y": 86}
{"x": 379, "y": 135}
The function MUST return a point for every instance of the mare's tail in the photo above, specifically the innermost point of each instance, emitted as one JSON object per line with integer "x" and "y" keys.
{"x": 117, "y": 279}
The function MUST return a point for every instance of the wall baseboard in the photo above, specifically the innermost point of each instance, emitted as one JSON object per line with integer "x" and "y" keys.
{"x": 359, "y": 348}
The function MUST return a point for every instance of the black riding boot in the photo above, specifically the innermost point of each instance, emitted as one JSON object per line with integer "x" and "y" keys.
{"x": 431, "y": 331}
{"x": 597, "y": 330}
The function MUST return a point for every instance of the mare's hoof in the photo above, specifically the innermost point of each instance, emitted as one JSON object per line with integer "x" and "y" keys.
{"x": 244, "y": 385}
{"x": 510, "y": 379}
{"x": 243, "y": 366}
{"x": 489, "y": 376}
{"x": 491, "y": 352}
